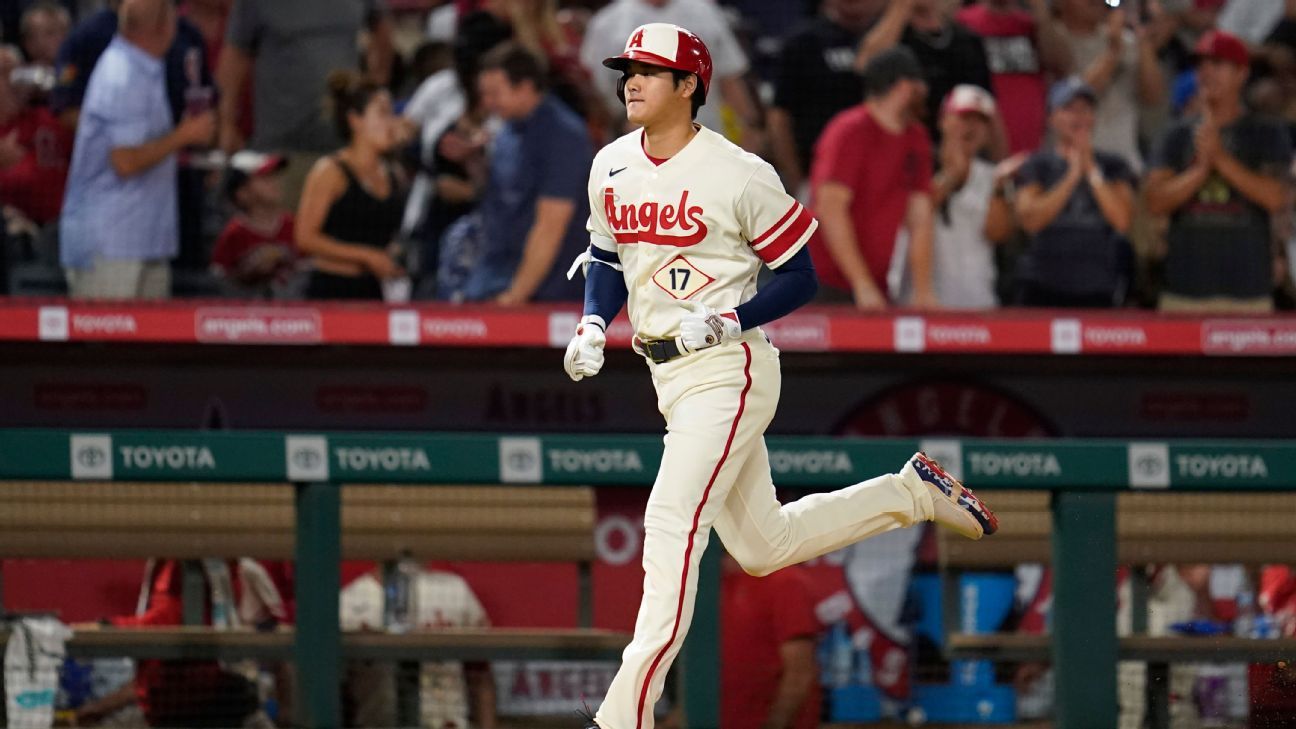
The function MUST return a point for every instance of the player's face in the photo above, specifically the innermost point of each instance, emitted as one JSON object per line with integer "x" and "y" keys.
{"x": 651, "y": 93}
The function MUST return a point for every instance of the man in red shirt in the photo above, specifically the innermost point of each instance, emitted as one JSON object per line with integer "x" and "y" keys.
{"x": 769, "y": 678}
{"x": 1021, "y": 47}
{"x": 872, "y": 172}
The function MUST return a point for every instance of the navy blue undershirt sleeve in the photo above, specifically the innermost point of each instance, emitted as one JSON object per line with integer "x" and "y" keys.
{"x": 605, "y": 288}
{"x": 793, "y": 286}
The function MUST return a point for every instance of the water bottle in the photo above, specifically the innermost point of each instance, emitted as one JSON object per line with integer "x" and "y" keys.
{"x": 1244, "y": 624}
{"x": 1237, "y": 692}
{"x": 396, "y": 600}
{"x": 401, "y": 608}
{"x": 840, "y": 657}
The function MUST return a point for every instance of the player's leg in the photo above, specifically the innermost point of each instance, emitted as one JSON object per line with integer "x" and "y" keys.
{"x": 712, "y": 426}
{"x": 765, "y": 536}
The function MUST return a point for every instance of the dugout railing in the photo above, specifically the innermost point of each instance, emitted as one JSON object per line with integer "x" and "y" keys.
{"x": 1082, "y": 476}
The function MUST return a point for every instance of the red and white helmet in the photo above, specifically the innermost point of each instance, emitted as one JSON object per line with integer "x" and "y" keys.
{"x": 669, "y": 46}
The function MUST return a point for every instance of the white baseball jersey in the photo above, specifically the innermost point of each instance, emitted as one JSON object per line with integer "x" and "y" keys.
{"x": 696, "y": 227}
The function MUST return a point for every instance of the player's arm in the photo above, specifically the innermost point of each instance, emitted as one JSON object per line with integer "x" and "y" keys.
{"x": 796, "y": 678}
{"x": 794, "y": 285}
{"x": 605, "y": 289}
{"x": 778, "y": 228}
{"x": 605, "y": 294}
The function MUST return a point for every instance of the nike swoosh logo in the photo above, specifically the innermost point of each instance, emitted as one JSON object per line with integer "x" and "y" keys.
{"x": 617, "y": 171}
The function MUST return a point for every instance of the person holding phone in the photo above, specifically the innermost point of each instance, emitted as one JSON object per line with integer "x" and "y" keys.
{"x": 1116, "y": 56}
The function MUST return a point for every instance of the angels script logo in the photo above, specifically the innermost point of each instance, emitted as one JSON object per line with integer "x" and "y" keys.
{"x": 649, "y": 221}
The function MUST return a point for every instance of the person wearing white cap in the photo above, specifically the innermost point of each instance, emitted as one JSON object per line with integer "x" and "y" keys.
{"x": 963, "y": 266}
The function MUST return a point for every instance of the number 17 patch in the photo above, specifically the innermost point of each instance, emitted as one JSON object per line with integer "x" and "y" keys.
{"x": 681, "y": 279}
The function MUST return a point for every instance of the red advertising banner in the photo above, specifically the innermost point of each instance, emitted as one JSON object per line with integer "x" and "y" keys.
{"x": 814, "y": 329}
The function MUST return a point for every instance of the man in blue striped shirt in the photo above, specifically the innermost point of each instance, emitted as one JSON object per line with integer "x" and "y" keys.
{"x": 119, "y": 229}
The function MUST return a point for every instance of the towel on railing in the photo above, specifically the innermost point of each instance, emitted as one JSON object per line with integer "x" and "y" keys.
{"x": 31, "y": 670}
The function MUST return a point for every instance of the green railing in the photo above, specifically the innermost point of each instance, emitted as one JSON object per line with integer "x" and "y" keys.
{"x": 1083, "y": 475}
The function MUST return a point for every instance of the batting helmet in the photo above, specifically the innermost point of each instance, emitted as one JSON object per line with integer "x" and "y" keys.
{"x": 668, "y": 46}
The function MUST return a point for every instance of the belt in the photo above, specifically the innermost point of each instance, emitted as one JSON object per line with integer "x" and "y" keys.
{"x": 659, "y": 351}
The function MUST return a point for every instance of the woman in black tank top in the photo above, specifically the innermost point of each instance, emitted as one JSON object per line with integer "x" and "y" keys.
{"x": 352, "y": 202}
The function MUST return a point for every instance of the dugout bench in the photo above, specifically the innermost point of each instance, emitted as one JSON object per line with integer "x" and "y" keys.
{"x": 1082, "y": 479}
{"x": 1151, "y": 529}
{"x": 61, "y": 519}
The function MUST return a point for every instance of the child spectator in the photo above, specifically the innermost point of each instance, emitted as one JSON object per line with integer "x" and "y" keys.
{"x": 44, "y": 26}
{"x": 255, "y": 251}
{"x": 35, "y": 149}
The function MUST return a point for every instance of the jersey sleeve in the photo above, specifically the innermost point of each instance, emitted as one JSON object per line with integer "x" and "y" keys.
{"x": 600, "y": 232}
{"x": 773, "y": 223}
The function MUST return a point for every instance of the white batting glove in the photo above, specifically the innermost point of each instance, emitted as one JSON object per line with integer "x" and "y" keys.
{"x": 704, "y": 327}
{"x": 584, "y": 356}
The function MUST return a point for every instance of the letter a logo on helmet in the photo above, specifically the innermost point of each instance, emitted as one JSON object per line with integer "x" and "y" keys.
{"x": 668, "y": 46}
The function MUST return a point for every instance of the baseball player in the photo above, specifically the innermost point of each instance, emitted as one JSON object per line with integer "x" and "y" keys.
{"x": 681, "y": 223}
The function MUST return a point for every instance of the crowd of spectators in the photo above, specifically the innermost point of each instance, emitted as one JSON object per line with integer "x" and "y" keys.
{"x": 966, "y": 154}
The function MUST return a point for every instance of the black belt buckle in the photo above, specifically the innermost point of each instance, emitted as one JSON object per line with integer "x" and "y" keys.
{"x": 661, "y": 351}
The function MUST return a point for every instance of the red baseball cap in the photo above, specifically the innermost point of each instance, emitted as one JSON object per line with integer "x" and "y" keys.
{"x": 1224, "y": 46}
{"x": 668, "y": 46}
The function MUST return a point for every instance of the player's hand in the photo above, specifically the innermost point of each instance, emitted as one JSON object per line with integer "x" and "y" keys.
{"x": 584, "y": 356}
{"x": 704, "y": 327}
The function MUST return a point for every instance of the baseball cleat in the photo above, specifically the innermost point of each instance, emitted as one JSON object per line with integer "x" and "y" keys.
{"x": 954, "y": 505}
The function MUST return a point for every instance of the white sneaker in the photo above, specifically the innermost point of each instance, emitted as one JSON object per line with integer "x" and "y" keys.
{"x": 954, "y": 505}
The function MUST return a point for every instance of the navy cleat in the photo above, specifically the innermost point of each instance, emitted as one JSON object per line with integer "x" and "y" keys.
{"x": 954, "y": 505}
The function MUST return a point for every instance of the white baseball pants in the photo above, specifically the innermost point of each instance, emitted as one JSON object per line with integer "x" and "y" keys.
{"x": 715, "y": 472}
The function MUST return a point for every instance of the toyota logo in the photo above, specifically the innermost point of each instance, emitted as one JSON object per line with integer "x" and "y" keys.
{"x": 306, "y": 459}
{"x": 91, "y": 456}
{"x": 1150, "y": 465}
{"x": 520, "y": 460}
